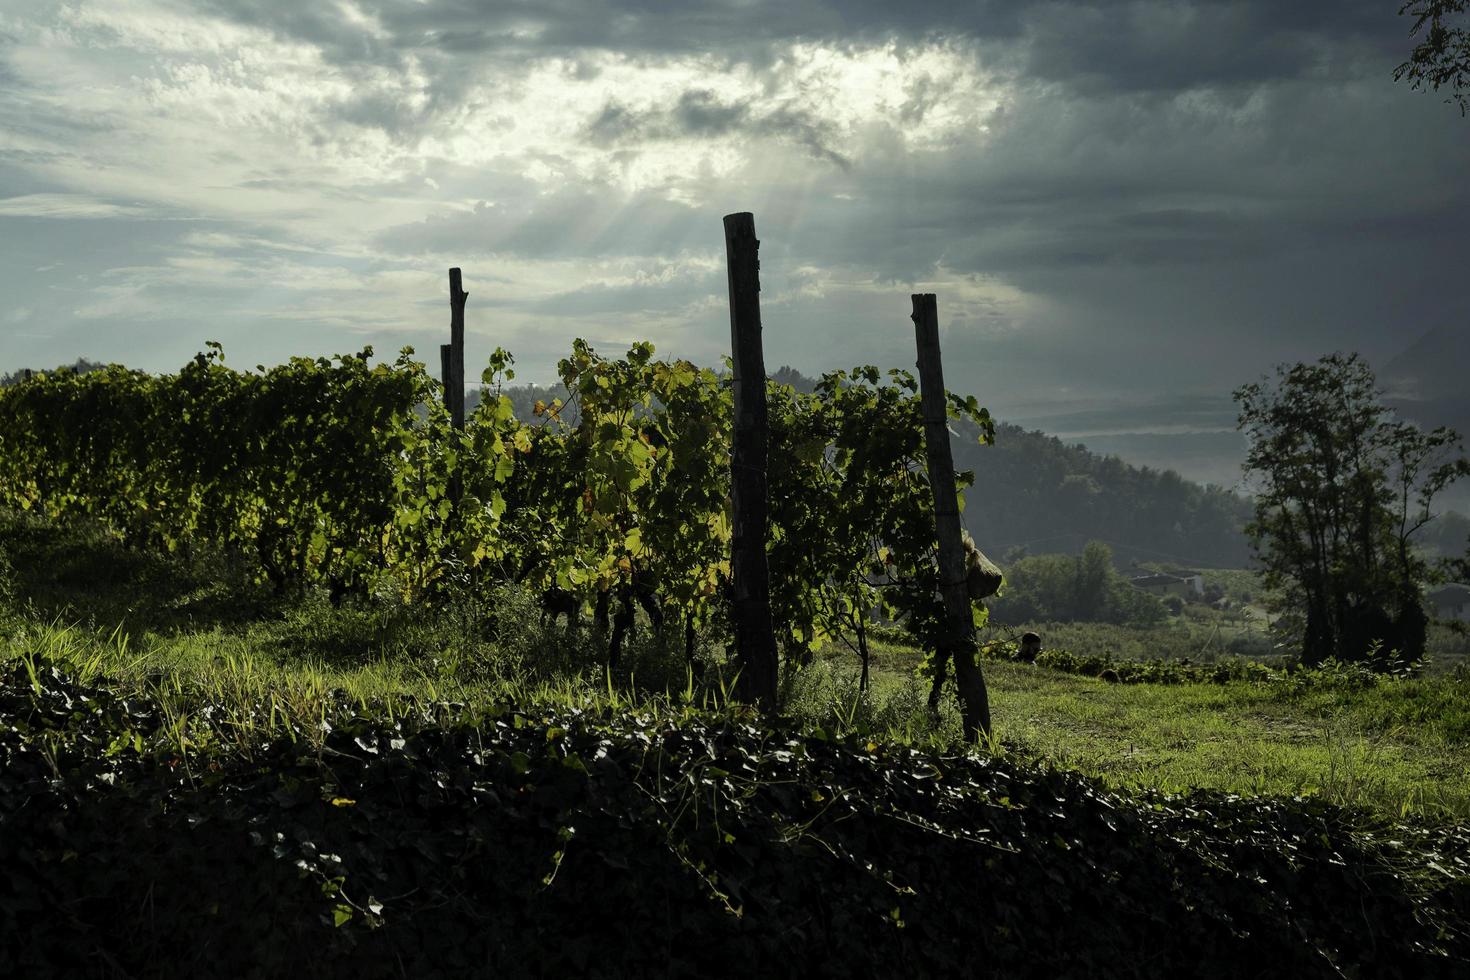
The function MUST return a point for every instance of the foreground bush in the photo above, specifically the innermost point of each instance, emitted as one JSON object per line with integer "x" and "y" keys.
{"x": 141, "y": 837}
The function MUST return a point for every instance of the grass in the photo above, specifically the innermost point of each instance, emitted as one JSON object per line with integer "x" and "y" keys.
{"x": 1398, "y": 748}
{"x": 1235, "y": 737}
{"x": 1201, "y": 636}
{"x": 194, "y": 631}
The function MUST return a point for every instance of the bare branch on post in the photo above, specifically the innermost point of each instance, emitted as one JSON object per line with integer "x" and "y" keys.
{"x": 959, "y": 634}
{"x": 446, "y": 372}
{"x": 750, "y": 606}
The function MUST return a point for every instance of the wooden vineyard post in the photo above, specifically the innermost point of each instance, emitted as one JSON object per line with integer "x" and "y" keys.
{"x": 958, "y": 643}
{"x": 451, "y": 367}
{"x": 750, "y": 601}
{"x": 451, "y": 355}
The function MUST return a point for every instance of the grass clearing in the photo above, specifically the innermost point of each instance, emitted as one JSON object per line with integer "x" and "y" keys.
{"x": 165, "y": 625}
{"x": 1398, "y": 748}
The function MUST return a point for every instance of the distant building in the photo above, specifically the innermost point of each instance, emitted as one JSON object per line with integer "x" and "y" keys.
{"x": 1194, "y": 580}
{"x": 1161, "y": 584}
{"x": 1451, "y": 602}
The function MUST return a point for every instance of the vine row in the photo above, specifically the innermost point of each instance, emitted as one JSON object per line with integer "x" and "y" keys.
{"x": 344, "y": 474}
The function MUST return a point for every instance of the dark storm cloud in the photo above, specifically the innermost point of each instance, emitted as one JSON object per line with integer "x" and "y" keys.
{"x": 1140, "y": 181}
{"x": 1130, "y": 46}
{"x": 374, "y": 110}
{"x": 1172, "y": 244}
{"x": 1100, "y": 44}
{"x": 674, "y": 26}
{"x": 700, "y": 113}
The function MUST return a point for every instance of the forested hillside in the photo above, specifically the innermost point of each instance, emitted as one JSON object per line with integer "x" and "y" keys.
{"x": 1032, "y": 491}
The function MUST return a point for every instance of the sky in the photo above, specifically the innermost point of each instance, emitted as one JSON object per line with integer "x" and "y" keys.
{"x": 1126, "y": 209}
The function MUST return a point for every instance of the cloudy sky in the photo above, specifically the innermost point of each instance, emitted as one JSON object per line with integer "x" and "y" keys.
{"x": 1127, "y": 209}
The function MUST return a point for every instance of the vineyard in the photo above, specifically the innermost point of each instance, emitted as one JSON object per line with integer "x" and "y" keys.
{"x": 349, "y": 476}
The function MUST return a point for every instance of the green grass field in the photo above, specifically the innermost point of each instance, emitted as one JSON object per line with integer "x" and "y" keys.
{"x": 180, "y": 625}
{"x": 1398, "y": 748}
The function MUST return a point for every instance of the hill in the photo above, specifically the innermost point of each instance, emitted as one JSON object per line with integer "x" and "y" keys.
{"x": 1036, "y": 493}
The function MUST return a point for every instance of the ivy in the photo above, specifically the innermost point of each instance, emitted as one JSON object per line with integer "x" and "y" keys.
{"x": 437, "y": 839}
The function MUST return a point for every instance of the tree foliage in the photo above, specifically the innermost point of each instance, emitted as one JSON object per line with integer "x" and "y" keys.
{"x": 1344, "y": 488}
{"x": 1442, "y": 56}
{"x": 81, "y": 366}
{"x": 1067, "y": 588}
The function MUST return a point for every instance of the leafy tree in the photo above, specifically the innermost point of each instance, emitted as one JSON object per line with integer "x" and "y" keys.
{"x": 1094, "y": 576}
{"x": 1344, "y": 487}
{"x": 1067, "y": 588}
{"x": 1442, "y": 56}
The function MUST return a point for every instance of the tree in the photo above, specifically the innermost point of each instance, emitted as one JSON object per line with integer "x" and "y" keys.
{"x": 1093, "y": 577}
{"x": 1442, "y": 57}
{"x": 1344, "y": 487}
{"x": 1072, "y": 588}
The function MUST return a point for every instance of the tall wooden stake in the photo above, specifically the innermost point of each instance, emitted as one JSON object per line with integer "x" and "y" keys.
{"x": 750, "y": 606}
{"x": 959, "y": 634}
{"x": 454, "y": 375}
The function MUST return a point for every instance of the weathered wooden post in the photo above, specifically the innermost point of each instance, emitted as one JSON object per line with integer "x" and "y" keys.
{"x": 959, "y": 634}
{"x": 750, "y": 605}
{"x": 451, "y": 355}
